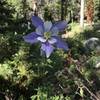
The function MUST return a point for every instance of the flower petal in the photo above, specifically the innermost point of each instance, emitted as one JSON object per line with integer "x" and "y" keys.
{"x": 47, "y": 48}
{"x": 39, "y": 30}
{"x": 61, "y": 44}
{"x": 54, "y": 31}
{"x": 61, "y": 25}
{"x": 41, "y": 39}
{"x": 47, "y": 26}
{"x": 31, "y": 38}
{"x": 36, "y": 21}
{"x": 52, "y": 40}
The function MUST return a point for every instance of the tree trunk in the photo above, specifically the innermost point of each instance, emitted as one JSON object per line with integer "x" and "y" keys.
{"x": 82, "y": 14}
{"x": 63, "y": 9}
{"x": 90, "y": 11}
{"x": 34, "y": 7}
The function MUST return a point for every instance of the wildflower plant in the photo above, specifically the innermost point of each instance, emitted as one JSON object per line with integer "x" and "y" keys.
{"x": 47, "y": 35}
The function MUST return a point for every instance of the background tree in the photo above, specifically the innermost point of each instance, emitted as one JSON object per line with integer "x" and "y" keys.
{"x": 90, "y": 11}
{"x": 73, "y": 9}
{"x": 21, "y": 15}
{"x": 6, "y": 17}
{"x": 82, "y": 14}
{"x": 63, "y": 9}
{"x": 96, "y": 10}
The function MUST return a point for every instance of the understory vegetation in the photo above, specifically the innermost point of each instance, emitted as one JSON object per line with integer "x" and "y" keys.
{"x": 65, "y": 75}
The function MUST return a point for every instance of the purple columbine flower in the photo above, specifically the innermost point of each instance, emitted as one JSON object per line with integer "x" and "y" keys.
{"x": 47, "y": 34}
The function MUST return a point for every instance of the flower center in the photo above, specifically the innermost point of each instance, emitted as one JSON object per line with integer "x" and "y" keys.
{"x": 47, "y": 35}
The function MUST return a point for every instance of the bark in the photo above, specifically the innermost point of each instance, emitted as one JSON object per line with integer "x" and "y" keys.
{"x": 90, "y": 11}
{"x": 82, "y": 14}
